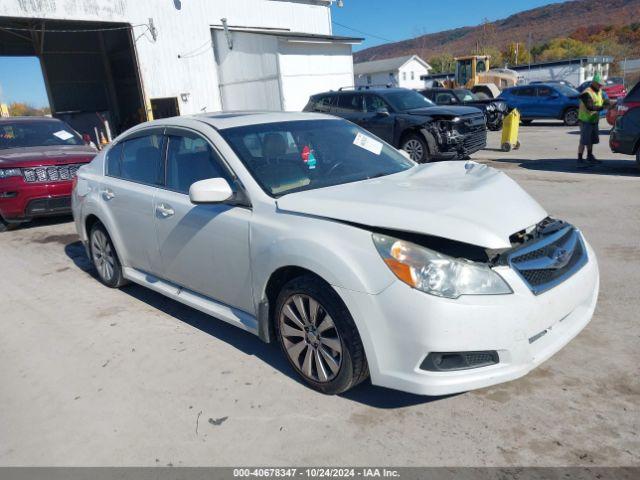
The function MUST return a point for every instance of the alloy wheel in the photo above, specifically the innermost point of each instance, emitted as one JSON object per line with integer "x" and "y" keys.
{"x": 414, "y": 148}
{"x": 103, "y": 257}
{"x": 310, "y": 338}
{"x": 571, "y": 117}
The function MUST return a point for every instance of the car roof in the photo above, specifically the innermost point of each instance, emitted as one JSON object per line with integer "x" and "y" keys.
{"x": 28, "y": 119}
{"x": 361, "y": 90}
{"x": 224, "y": 120}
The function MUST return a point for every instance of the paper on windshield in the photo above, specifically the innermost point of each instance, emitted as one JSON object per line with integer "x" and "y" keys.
{"x": 368, "y": 143}
{"x": 63, "y": 135}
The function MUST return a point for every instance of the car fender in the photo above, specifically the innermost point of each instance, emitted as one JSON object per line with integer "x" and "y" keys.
{"x": 341, "y": 254}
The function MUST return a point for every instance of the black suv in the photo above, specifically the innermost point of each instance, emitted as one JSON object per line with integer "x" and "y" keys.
{"x": 407, "y": 120}
{"x": 494, "y": 110}
{"x": 625, "y": 136}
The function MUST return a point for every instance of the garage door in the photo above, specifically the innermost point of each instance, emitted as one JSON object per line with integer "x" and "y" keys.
{"x": 248, "y": 73}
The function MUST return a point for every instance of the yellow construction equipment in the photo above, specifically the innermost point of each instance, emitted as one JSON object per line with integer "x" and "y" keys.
{"x": 510, "y": 129}
{"x": 474, "y": 72}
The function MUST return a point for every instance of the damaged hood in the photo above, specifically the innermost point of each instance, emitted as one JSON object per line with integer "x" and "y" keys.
{"x": 467, "y": 202}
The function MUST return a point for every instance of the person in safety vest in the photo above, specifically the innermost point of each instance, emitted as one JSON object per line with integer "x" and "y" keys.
{"x": 591, "y": 104}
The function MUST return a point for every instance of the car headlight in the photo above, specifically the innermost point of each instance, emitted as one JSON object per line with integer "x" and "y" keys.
{"x": 501, "y": 106}
{"x": 491, "y": 107}
{"x": 10, "y": 172}
{"x": 437, "y": 274}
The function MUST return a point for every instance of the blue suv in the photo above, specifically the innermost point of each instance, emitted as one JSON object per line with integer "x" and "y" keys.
{"x": 544, "y": 101}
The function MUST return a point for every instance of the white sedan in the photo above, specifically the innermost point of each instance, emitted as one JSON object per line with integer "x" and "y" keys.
{"x": 307, "y": 230}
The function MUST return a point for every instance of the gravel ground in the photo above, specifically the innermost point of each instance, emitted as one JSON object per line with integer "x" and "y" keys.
{"x": 92, "y": 376}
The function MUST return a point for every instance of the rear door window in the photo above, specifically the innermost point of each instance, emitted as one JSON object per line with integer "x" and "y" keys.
{"x": 350, "y": 102}
{"x": 190, "y": 159}
{"x": 323, "y": 104}
{"x": 142, "y": 160}
{"x": 525, "y": 92}
{"x": 545, "y": 91}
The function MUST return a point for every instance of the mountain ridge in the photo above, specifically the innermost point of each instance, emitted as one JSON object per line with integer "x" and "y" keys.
{"x": 538, "y": 25}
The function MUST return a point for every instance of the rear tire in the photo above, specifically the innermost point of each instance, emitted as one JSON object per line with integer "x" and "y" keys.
{"x": 570, "y": 117}
{"x": 318, "y": 337}
{"x": 417, "y": 148}
{"x": 104, "y": 257}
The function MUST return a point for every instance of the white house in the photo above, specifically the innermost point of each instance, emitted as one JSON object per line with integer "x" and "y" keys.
{"x": 400, "y": 71}
{"x": 575, "y": 70}
{"x": 130, "y": 60}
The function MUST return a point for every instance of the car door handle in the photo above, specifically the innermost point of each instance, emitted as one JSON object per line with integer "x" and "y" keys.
{"x": 165, "y": 210}
{"x": 108, "y": 194}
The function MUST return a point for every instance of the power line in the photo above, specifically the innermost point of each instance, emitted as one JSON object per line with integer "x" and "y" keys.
{"x": 362, "y": 32}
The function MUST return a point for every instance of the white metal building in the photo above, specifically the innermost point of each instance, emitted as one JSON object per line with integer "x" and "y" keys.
{"x": 130, "y": 59}
{"x": 576, "y": 70}
{"x": 400, "y": 71}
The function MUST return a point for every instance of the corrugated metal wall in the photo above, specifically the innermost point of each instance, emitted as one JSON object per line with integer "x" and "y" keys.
{"x": 180, "y": 59}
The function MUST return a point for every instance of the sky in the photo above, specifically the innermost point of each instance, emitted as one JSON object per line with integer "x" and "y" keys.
{"x": 382, "y": 20}
{"x": 21, "y": 81}
{"x": 401, "y": 19}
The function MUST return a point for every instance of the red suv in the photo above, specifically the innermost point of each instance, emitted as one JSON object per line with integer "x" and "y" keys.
{"x": 39, "y": 157}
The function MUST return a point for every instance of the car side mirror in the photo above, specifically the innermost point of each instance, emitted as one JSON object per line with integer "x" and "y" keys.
{"x": 382, "y": 111}
{"x": 211, "y": 190}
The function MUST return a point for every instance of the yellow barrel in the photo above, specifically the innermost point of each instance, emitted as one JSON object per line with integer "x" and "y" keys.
{"x": 510, "y": 131}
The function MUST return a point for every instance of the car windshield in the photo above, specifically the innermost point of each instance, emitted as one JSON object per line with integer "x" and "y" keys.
{"x": 36, "y": 133}
{"x": 286, "y": 157}
{"x": 403, "y": 100}
{"x": 567, "y": 91}
{"x": 466, "y": 95}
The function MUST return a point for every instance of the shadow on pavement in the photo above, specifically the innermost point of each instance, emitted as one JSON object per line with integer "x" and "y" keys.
{"x": 248, "y": 343}
{"x": 44, "y": 222}
{"x": 607, "y": 167}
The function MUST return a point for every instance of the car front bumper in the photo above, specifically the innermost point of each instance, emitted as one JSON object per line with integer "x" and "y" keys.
{"x": 400, "y": 326}
{"x": 21, "y": 201}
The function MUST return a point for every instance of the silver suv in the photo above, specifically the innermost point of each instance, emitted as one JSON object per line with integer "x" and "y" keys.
{"x": 307, "y": 229}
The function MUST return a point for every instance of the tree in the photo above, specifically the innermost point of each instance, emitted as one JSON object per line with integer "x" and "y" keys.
{"x": 496, "y": 59}
{"x": 21, "y": 109}
{"x": 444, "y": 63}
{"x": 565, "y": 48}
{"x": 516, "y": 54}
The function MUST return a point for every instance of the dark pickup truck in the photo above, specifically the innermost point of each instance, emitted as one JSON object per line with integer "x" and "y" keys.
{"x": 494, "y": 110}
{"x": 409, "y": 121}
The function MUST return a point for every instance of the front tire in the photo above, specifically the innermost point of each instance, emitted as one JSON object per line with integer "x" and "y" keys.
{"x": 104, "y": 257}
{"x": 318, "y": 336}
{"x": 417, "y": 148}
{"x": 570, "y": 117}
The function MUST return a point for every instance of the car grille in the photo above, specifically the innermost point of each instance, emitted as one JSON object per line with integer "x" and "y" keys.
{"x": 58, "y": 173}
{"x": 549, "y": 261}
{"x": 475, "y": 132}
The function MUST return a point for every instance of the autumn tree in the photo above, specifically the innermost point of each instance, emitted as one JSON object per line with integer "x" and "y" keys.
{"x": 22, "y": 109}
{"x": 444, "y": 63}
{"x": 516, "y": 54}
